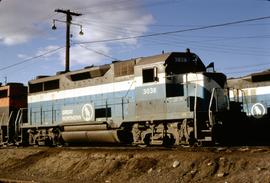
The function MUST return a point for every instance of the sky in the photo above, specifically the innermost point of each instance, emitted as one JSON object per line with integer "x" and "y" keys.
{"x": 29, "y": 47}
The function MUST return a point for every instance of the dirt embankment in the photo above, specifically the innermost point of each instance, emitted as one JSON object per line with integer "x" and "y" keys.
{"x": 135, "y": 165}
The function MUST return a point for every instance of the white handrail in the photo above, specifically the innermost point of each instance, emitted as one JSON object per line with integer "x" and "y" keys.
{"x": 210, "y": 104}
{"x": 195, "y": 111}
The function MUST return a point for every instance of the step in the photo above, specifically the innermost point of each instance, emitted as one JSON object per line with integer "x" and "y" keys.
{"x": 206, "y": 139}
{"x": 206, "y": 130}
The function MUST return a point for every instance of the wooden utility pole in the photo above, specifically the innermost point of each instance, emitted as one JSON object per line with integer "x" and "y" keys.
{"x": 69, "y": 15}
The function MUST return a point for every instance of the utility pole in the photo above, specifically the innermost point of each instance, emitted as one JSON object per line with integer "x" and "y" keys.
{"x": 68, "y": 22}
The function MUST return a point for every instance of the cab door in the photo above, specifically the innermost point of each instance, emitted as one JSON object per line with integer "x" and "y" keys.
{"x": 150, "y": 93}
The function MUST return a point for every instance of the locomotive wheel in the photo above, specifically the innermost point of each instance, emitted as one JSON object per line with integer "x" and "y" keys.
{"x": 49, "y": 142}
{"x": 168, "y": 140}
{"x": 147, "y": 139}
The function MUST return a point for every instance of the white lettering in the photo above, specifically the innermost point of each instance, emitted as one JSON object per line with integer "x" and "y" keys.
{"x": 148, "y": 91}
{"x": 71, "y": 118}
{"x": 67, "y": 112}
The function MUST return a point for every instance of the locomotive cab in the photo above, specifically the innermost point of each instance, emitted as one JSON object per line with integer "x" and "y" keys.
{"x": 179, "y": 99}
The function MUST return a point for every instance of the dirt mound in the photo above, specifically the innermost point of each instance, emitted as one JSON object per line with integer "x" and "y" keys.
{"x": 129, "y": 165}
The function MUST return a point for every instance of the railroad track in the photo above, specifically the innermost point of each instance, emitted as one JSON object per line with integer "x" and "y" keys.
{"x": 150, "y": 148}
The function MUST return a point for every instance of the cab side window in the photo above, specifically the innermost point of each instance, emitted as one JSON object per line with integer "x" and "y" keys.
{"x": 149, "y": 75}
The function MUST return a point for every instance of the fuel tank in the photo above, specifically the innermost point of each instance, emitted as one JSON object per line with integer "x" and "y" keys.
{"x": 89, "y": 133}
{"x": 99, "y": 136}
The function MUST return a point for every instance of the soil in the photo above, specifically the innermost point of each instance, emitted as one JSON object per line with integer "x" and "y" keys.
{"x": 138, "y": 165}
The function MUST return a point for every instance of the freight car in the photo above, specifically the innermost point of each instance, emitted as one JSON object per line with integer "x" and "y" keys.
{"x": 169, "y": 98}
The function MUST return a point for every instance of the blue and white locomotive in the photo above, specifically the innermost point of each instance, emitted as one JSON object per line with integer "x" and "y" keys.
{"x": 163, "y": 99}
{"x": 254, "y": 92}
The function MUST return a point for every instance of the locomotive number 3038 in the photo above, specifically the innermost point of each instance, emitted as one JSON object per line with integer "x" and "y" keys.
{"x": 148, "y": 91}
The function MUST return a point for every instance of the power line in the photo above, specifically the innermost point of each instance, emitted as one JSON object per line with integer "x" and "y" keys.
{"x": 245, "y": 66}
{"x": 99, "y": 25}
{"x": 175, "y": 37}
{"x": 97, "y": 20}
{"x": 127, "y": 7}
{"x": 247, "y": 71}
{"x": 98, "y": 52}
{"x": 31, "y": 58}
{"x": 176, "y": 31}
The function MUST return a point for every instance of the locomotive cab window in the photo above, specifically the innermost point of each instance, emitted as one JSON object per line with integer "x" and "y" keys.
{"x": 149, "y": 75}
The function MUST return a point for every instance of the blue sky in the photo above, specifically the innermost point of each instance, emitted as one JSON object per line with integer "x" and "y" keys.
{"x": 237, "y": 50}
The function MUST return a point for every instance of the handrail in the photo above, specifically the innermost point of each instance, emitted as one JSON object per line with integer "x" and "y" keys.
{"x": 133, "y": 81}
{"x": 210, "y": 105}
{"x": 2, "y": 118}
{"x": 16, "y": 122}
{"x": 195, "y": 110}
{"x": 1, "y": 122}
{"x": 245, "y": 102}
{"x": 1, "y": 132}
{"x": 9, "y": 118}
{"x": 240, "y": 93}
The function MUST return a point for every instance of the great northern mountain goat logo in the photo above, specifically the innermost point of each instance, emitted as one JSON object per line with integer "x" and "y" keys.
{"x": 87, "y": 112}
{"x": 258, "y": 110}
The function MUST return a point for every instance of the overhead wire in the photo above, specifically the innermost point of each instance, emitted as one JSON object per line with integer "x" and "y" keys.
{"x": 99, "y": 25}
{"x": 127, "y": 8}
{"x": 222, "y": 47}
{"x": 104, "y": 22}
{"x": 31, "y": 58}
{"x": 98, "y": 52}
{"x": 176, "y": 31}
{"x": 140, "y": 36}
{"x": 245, "y": 66}
{"x": 246, "y": 71}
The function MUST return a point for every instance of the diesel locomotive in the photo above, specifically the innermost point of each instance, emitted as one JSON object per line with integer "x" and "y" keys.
{"x": 169, "y": 99}
{"x": 254, "y": 92}
{"x": 13, "y": 98}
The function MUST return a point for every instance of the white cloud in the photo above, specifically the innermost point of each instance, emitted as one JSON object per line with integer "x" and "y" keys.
{"x": 46, "y": 50}
{"x": 22, "y": 56}
{"x": 107, "y": 19}
{"x": 83, "y": 56}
